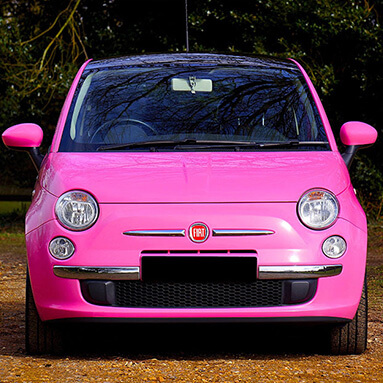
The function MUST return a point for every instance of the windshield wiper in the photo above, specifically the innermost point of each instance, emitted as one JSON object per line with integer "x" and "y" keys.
{"x": 207, "y": 144}
{"x": 145, "y": 143}
{"x": 251, "y": 144}
{"x": 292, "y": 143}
{"x": 175, "y": 143}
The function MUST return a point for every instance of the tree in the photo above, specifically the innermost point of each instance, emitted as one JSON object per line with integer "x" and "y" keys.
{"x": 40, "y": 51}
{"x": 339, "y": 42}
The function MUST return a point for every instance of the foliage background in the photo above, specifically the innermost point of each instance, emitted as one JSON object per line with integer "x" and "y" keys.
{"x": 340, "y": 43}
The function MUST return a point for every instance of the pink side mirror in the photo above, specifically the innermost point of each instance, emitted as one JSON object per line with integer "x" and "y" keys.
{"x": 23, "y": 136}
{"x": 26, "y": 137}
{"x": 356, "y": 135}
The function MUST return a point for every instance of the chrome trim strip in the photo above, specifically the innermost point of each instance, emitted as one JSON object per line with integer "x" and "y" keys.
{"x": 298, "y": 272}
{"x": 240, "y": 232}
{"x": 108, "y": 273}
{"x": 155, "y": 233}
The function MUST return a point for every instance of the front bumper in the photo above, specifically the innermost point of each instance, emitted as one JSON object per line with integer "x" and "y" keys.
{"x": 291, "y": 252}
{"x": 198, "y": 288}
{"x": 133, "y": 273}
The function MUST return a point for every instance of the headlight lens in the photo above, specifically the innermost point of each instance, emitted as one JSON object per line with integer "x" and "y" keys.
{"x": 334, "y": 247}
{"x": 61, "y": 248}
{"x": 318, "y": 209}
{"x": 76, "y": 210}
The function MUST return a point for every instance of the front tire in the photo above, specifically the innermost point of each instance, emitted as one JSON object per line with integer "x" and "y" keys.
{"x": 40, "y": 337}
{"x": 351, "y": 338}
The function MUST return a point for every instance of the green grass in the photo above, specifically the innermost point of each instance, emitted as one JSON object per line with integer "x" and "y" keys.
{"x": 12, "y": 215}
{"x": 9, "y": 240}
{"x": 11, "y": 206}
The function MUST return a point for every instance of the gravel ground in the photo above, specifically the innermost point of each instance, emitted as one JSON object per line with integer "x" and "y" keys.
{"x": 182, "y": 353}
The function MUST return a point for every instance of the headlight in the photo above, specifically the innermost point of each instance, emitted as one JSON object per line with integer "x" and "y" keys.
{"x": 318, "y": 209}
{"x": 61, "y": 248}
{"x": 76, "y": 210}
{"x": 334, "y": 247}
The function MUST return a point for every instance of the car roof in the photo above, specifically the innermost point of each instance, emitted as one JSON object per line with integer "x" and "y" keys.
{"x": 194, "y": 59}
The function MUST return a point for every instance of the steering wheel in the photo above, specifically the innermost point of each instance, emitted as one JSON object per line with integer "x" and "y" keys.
{"x": 127, "y": 121}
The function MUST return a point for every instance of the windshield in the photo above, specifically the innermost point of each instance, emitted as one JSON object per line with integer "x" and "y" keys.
{"x": 193, "y": 105}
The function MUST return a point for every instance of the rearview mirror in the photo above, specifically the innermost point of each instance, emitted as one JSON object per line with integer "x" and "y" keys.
{"x": 192, "y": 85}
{"x": 25, "y": 137}
{"x": 356, "y": 135}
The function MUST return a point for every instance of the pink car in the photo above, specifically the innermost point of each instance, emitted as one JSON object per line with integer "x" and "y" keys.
{"x": 194, "y": 187}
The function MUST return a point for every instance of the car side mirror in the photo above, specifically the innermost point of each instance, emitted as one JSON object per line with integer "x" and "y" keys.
{"x": 25, "y": 137}
{"x": 356, "y": 135}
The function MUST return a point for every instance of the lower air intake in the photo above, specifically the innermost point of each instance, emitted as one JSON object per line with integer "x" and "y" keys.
{"x": 198, "y": 295}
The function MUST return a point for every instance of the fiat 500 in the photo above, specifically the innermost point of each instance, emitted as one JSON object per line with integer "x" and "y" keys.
{"x": 194, "y": 187}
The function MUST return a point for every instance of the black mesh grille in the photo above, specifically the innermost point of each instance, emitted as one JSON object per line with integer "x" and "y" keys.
{"x": 198, "y": 295}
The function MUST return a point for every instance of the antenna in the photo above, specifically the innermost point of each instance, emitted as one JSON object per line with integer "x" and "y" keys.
{"x": 187, "y": 25}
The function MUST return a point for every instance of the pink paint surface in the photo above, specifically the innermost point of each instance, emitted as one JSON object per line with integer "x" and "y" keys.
{"x": 105, "y": 245}
{"x": 358, "y": 133}
{"x": 149, "y": 191}
{"x": 195, "y": 177}
{"x": 23, "y": 136}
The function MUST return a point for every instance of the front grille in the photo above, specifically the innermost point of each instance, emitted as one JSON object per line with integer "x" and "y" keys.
{"x": 198, "y": 282}
{"x": 261, "y": 293}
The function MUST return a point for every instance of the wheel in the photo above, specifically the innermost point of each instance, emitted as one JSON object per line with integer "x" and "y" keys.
{"x": 351, "y": 338}
{"x": 40, "y": 337}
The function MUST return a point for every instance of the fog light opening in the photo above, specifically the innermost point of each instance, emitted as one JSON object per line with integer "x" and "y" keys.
{"x": 334, "y": 247}
{"x": 61, "y": 248}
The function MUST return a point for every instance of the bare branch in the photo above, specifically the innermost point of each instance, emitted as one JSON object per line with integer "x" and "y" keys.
{"x": 59, "y": 33}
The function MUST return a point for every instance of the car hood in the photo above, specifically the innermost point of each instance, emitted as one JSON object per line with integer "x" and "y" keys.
{"x": 194, "y": 177}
